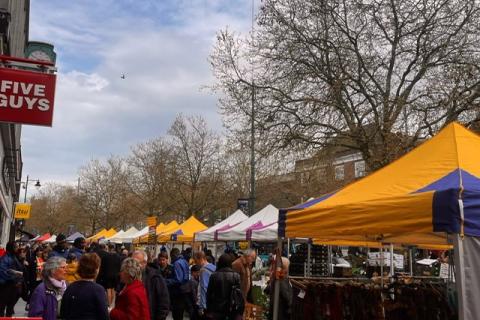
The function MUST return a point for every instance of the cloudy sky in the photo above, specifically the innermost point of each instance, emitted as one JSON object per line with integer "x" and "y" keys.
{"x": 162, "y": 47}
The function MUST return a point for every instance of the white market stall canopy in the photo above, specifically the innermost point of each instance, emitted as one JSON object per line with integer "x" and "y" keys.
{"x": 267, "y": 233}
{"x": 129, "y": 238}
{"x": 211, "y": 233}
{"x": 74, "y": 236}
{"x": 264, "y": 219}
{"x": 125, "y": 237}
{"x": 106, "y": 240}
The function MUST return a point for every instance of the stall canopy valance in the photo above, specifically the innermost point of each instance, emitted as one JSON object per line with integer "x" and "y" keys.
{"x": 412, "y": 200}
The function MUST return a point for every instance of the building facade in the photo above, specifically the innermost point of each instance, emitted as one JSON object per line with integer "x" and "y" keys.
{"x": 14, "y": 28}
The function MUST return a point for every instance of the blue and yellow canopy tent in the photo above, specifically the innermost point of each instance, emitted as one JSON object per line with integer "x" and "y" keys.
{"x": 426, "y": 196}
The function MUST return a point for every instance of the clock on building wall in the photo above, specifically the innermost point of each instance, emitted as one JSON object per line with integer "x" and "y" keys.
{"x": 41, "y": 51}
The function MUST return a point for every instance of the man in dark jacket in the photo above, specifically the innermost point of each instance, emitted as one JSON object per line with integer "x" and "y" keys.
{"x": 11, "y": 274}
{"x": 60, "y": 250}
{"x": 220, "y": 290}
{"x": 155, "y": 286}
{"x": 78, "y": 248}
{"x": 178, "y": 284}
{"x": 109, "y": 270}
{"x": 164, "y": 267}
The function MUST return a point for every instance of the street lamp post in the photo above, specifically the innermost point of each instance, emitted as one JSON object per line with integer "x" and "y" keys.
{"x": 25, "y": 185}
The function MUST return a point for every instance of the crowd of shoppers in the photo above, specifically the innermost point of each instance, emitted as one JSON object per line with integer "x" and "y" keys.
{"x": 95, "y": 281}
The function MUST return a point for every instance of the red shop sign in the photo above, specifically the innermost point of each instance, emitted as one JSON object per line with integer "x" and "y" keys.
{"x": 26, "y": 97}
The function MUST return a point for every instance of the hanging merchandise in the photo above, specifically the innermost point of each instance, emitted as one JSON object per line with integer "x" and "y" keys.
{"x": 363, "y": 299}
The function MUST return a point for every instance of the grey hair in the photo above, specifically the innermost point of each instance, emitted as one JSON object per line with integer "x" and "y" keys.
{"x": 141, "y": 252}
{"x": 51, "y": 265}
{"x": 248, "y": 252}
{"x": 132, "y": 268}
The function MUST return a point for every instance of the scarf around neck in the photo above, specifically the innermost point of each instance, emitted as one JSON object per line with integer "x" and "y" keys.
{"x": 58, "y": 285}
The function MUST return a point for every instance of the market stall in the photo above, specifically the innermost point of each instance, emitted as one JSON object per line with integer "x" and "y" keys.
{"x": 264, "y": 220}
{"x": 161, "y": 228}
{"x": 428, "y": 196}
{"x": 211, "y": 234}
{"x": 43, "y": 237}
{"x": 184, "y": 232}
{"x": 118, "y": 234}
{"x": 122, "y": 238}
{"x": 52, "y": 239}
{"x": 132, "y": 237}
{"x": 74, "y": 236}
{"x": 98, "y": 235}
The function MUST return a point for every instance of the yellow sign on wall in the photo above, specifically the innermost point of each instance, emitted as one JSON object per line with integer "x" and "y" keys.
{"x": 22, "y": 210}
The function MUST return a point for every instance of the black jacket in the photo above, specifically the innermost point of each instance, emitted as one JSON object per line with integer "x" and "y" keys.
{"x": 286, "y": 299}
{"x": 157, "y": 293}
{"x": 219, "y": 291}
{"x": 84, "y": 300}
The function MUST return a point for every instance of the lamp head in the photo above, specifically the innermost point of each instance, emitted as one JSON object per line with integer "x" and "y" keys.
{"x": 38, "y": 185}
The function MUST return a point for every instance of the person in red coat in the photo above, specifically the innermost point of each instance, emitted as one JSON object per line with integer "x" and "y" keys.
{"x": 132, "y": 302}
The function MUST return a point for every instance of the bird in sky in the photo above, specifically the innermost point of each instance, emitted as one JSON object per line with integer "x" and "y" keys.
{"x": 122, "y": 76}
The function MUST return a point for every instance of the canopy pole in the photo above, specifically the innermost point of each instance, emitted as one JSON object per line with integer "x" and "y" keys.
{"x": 460, "y": 267}
{"x": 330, "y": 261}
{"x": 276, "y": 291}
{"x": 288, "y": 248}
{"x": 381, "y": 266}
{"x": 410, "y": 260}
{"x": 392, "y": 265}
{"x": 460, "y": 276}
{"x": 309, "y": 258}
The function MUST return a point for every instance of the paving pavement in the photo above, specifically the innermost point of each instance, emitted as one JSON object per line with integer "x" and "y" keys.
{"x": 20, "y": 310}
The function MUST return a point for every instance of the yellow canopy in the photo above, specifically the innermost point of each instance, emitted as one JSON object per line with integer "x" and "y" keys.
{"x": 161, "y": 228}
{"x": 109, "y": 233}
{"x": 104, "y": 233}
{"x": 184, "y": 233}
{"x": 97, "y": 235}
{"x": 431, "y": 191}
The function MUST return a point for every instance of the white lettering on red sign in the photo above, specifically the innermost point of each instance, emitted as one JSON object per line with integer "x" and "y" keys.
{"x": 15, "y": 94}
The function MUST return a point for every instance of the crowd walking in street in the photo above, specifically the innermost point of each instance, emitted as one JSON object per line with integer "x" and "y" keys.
{"x": 91, "y": 281}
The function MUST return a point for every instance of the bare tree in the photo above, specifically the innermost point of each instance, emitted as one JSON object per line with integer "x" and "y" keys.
{"x": 102, "y": 189}
{"x": 54, "y": 208}
{"x": 374, "y": 76}
{"x": 195, "y": 175}
{"x": 149, "y": 166}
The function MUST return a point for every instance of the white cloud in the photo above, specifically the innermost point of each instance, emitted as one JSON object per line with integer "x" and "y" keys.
{"x": 163, "y": 55}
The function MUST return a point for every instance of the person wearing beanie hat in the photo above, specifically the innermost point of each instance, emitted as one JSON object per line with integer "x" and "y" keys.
{"x": 60, "y": 250}
{"x": 78, "y": 248}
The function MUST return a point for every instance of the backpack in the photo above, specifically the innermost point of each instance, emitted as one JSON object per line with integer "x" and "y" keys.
{"x": 237, "y": 303}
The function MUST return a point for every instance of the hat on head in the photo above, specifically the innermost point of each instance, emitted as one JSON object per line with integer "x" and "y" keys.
{"x": 78, "y": 241}
{"x": 61, "y": 237}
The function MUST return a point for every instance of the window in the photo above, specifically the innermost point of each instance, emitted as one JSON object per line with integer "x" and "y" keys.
{"x": 339, "y": 172}
{"x": 359, "y": 169}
